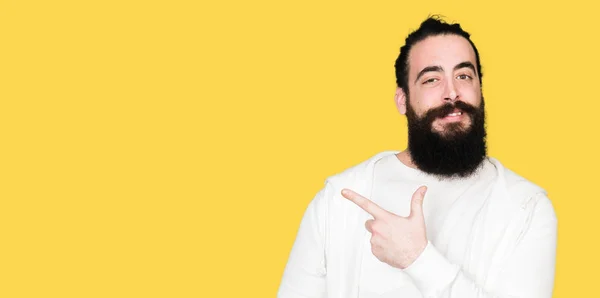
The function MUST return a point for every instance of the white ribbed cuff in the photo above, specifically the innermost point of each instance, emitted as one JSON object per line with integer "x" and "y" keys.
{"x": 431, "y": 271}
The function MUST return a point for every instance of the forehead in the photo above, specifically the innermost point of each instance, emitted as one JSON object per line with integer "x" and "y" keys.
{"x": 442, "y": 50}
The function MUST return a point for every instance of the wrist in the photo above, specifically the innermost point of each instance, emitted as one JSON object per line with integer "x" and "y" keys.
{"x": 431, "y": 270}
{"x": 416, "y": 253}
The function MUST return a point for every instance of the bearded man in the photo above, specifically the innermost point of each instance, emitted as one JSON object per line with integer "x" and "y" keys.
{"x": 438, "y": 219}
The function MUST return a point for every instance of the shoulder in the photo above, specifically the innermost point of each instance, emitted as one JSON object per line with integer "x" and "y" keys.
{"x": 513, "y": 182}
{"x": 522, "y": 190}
{"x": 357, "y": 177}
{"x": 357, "y": 173}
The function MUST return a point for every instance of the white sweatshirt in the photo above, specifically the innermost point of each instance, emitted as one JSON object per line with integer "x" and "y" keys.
{"x": 491, "y": 235}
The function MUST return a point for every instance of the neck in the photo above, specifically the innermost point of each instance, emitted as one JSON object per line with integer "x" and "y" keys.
{"x": 406, "y": 159}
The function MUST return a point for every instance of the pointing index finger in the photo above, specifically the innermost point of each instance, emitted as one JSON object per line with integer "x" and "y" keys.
{"x": 364, "y": 203}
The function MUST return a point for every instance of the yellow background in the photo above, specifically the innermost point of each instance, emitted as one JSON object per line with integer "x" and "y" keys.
{"x": 169, "y": 148}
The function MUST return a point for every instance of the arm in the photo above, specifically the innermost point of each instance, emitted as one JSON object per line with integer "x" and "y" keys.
{"x": 528, "y": 273}
{"x": 304, "y": 274}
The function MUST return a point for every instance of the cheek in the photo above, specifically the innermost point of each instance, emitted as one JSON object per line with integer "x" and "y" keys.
{"x": 471, "y": 95}
{"x": 427, "y": 99}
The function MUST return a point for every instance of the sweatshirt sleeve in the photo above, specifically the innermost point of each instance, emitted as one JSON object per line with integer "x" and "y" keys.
{"x": 305, "y": 271}
{"x": 529, "y": 272}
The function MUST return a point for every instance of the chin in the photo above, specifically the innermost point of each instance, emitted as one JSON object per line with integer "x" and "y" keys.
{"x": 453, "y": 129}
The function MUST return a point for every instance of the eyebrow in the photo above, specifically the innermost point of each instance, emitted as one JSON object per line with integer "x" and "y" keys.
{"x": 465, "y": 64}
{"x": 437, "y": 68}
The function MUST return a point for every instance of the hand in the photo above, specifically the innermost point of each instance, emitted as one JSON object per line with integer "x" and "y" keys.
{"x": 395, "y": 240}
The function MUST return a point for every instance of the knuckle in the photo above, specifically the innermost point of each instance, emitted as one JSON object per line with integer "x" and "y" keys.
{"x": 375, "y": 226}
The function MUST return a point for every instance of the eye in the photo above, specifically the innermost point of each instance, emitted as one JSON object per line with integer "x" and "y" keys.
{"x": 430, "y": 81}
{"x": 464, "y": 77}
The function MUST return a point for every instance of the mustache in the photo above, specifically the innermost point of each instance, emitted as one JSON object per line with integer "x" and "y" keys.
{"x": 448, "y": 108}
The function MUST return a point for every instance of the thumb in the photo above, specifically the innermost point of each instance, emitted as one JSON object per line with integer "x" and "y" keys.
{"x": 416, "y": 204}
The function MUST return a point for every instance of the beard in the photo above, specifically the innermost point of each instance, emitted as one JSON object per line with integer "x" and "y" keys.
{"x": 456, "y": 151}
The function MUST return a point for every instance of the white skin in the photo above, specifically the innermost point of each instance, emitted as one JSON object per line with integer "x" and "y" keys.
{"x": 396, "y": 240}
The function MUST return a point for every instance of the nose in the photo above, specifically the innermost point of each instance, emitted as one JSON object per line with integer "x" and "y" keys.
{"x": 450, "y": 93}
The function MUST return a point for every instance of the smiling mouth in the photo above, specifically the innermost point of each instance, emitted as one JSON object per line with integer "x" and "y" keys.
{"x": 455, "y": 113}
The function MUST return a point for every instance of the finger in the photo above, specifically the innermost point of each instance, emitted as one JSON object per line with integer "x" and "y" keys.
{"x": 369, "y": 225}
{"x": 416, "y": 204}
{"x": 364, "y": 203}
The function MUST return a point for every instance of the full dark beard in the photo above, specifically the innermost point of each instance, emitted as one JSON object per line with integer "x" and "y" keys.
{"x": 455, "y": 152}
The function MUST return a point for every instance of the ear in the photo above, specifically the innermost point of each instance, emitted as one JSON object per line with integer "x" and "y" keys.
{"x": 400, "y": 99}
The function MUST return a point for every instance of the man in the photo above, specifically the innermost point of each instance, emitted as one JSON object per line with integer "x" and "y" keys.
{"x": 439, "y": 219}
